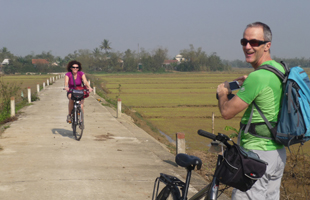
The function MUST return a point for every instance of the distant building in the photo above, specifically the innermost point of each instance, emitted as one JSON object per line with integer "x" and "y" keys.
{"x": 5, "y": 62}
{"x": 179, "y": 58}
{"x": 39, "y": 62}
{"x": 170, "y": 64}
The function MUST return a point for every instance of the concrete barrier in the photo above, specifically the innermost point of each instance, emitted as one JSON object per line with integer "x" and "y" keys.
{"x": 29, "y": 95}
{"x": 180, "y": 143}
{"x": 119, "y": 108}
{"x": 12, "y": 106}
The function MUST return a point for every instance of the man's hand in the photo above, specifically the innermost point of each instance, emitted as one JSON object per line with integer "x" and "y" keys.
{"x": 223, "y": 89}
{"x": 241, "y": 79}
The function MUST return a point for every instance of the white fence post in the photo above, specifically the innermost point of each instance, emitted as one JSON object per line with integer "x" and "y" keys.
{"x": 119, "y": 108}
{"x": 43, "y": 85}
{"x": 213, "y": 122}
{"x": 47, "y": 82}
{"x": 94, "y": 89}
{"x": 38, "y": 87}
{"x": 180, "y": 143}
{"x": 29, "y": 95}
{"x": 12, "y": 106}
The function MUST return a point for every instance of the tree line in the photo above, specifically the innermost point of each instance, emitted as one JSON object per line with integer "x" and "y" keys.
{"x": 104, "y": 59}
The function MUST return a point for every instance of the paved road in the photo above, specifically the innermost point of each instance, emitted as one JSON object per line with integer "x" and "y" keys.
{"x": 114, "y": 159}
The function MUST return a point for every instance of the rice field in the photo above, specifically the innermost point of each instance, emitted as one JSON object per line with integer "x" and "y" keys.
{"x": 25, "y": 81}
{"x": 174, "y": 102}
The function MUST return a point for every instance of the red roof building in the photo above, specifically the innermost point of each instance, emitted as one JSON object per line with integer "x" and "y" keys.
{"x": 39, "y": 62}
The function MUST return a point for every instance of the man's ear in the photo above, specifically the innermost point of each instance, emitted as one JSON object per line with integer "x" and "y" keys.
{"x": 267, "y": 46}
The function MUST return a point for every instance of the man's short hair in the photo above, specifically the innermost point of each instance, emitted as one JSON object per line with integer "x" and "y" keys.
{"x": 266, "y": 30}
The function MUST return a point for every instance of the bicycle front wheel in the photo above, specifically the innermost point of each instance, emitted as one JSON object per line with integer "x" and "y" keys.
{"x": 169, "y": 193}
{"x": 78, "y": 126}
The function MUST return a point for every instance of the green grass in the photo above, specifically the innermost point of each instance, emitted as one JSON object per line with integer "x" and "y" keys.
{"x": 175, "y": 102}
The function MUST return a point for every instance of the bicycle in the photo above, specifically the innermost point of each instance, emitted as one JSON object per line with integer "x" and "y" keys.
{"x": 77, "y": 114}
{"x": 178, "y": 190}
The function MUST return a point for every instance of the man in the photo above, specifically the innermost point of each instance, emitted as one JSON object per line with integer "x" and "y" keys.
{"x": 265, "y": 89}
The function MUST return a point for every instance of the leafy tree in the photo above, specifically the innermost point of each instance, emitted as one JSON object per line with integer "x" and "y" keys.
{"x": 198, "y": 60}
{"x": 5, "y": 54}
{"x": 130, "y": 61}
{"x": 97, "y": 53}
{"x": 237, "y": 63}
{"x": 153, "y": 62}
{"x": 46, "y": 55}
{"x": 85, "y": 57}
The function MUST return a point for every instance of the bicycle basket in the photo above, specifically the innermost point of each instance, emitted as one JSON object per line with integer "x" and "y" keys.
{"x": 84, "y": 89}
{"x": 240, "y": 168}
{"x": 77, "y": 94}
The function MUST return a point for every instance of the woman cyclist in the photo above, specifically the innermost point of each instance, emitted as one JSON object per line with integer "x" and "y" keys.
{"x": 74, "y": 69}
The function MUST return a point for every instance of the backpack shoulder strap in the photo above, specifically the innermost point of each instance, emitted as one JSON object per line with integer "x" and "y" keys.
{"x": 247, "y": 126}
{"x": 277, "y": 72}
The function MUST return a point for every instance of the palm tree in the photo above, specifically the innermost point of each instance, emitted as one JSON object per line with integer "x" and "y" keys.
{"x": 105, "y": 45}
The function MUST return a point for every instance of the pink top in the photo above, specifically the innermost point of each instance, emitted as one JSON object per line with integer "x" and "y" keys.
{"x": 78, "y": 80}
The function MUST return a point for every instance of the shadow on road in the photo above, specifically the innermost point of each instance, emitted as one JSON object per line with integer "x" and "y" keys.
{"x": 171, "y": 163}
{"x": 63, "y": 132}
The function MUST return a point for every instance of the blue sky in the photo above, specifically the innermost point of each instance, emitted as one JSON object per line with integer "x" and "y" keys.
{"x": 63, "y": 26}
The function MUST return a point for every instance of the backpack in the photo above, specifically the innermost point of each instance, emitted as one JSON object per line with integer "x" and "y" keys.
{"x": 293, "y": 124}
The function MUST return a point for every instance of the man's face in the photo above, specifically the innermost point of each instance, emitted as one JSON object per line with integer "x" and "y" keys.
{"x": 254, "y": 55}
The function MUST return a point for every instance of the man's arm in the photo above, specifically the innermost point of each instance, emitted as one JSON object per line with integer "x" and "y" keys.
{"x": 229, "y": 108}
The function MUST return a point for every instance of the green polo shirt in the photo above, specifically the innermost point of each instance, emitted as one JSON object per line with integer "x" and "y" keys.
{"x": 265, "y": 88}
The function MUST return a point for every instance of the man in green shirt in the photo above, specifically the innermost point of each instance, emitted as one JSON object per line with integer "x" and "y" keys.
{"x": 265, "y": 88}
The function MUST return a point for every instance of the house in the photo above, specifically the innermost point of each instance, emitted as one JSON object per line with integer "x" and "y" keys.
{"x": 170, "y": 64}
{"x": 5, "y": 62}
{"x": 179, "y": 58}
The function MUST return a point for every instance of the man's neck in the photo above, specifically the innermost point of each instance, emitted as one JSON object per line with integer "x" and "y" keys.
{"x": 261, "y": 61}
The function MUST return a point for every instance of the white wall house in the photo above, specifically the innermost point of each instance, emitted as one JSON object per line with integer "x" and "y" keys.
{"x": 5, "y": 62}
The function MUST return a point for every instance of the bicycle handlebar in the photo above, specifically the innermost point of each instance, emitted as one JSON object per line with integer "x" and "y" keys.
{"x": 74, "y": 89}
{"x": 220, "y": 137}
{"x": 207, "y": 134}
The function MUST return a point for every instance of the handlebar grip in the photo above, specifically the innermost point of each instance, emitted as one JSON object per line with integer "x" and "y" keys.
{"x": 206, "y": 134}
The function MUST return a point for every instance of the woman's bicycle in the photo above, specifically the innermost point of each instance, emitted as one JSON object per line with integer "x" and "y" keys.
{"x": 77, "y": 114}
{"x": 176, "y": 189}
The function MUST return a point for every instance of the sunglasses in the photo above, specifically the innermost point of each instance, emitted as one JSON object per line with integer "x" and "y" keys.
{"x": 75, "y": 67}
{"x": 253, "y": 43}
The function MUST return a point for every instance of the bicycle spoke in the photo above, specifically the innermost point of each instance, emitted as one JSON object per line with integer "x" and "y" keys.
{"x": 169, "y": 193}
